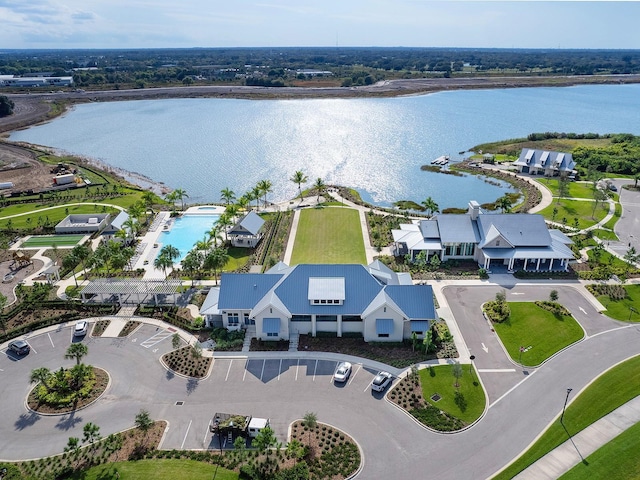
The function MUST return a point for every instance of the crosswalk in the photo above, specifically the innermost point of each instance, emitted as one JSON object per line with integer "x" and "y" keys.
{"x": 157, "y": 338}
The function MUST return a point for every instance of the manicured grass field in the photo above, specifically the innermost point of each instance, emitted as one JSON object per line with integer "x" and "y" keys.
{"x": 238, "y": 257}
{"x": 51, "y": 240}
{"x": 158, "y": 469}
{"x": 34, "y": 215}
{"x": 608, "y": 392}
{"x": 329, "y": 235}
{"x": 616, "y": 216}
{"x": 605, "y": 234}
{"x": 530, "y": 325}
{"x": 624, "y": 448}
{"x": 619, "y": 309}
{"x": 576, "y": 189}
{"x": 572, "y": 209}
{"x": 607, "y": 259}
{"x": 440, "y": 380}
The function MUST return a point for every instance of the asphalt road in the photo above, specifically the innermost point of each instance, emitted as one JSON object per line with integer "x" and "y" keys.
{"x": 284, "y": 389}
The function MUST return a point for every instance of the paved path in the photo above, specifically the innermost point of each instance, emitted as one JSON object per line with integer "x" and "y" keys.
{"x": 580, "y": 446}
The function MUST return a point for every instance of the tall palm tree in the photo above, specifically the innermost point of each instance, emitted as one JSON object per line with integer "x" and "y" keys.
{"x": 265, "y": 187}
{"x": 135, "y": 210}
{"x": 163, "y": 262}
{"x": 243, "y": 202}
{"x": 256, "y": 193}
{"x": 319, "y": 186}
{"x": 299, "y": 178}
{"x": 430, "y": 206}
{"x": 148, "y": 200}
{"x": 504, "y": 204}
{"x": 204, "y": 245}
{"x": 170, "y": 251}
{"x": 192, "y": 263}
{"x": 69, "y": 263}
{"x": 79, "y": 373}
{"x": 215, "y": 261}
{"x": 181, "y": 194}
{"x": 172, "y": 198}
{"x": 225, "y": 221}
{"x": 215, "y": 234}
{"x": 232, "y": 210}
{"x": 227, "y": 195}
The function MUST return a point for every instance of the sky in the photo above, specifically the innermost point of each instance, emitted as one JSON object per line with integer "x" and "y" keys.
{"x": 281, "y": 23}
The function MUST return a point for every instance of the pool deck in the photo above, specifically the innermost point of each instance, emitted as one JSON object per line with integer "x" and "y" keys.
{"x": 150, "y": 245}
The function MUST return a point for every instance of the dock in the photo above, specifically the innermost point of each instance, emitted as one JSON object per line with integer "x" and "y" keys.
{"x": 443, "y": 160}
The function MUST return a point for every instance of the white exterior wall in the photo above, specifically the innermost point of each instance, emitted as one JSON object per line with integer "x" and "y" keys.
{"x": 303, "y": 328}
{"x": 272, "y": 312}
{"x": 369, "y": 331}
{"x": 327, "y": 327}
{"x": 225, "y": 319}
{"x": 351, "y": 327}
{"x": 406, "y": 330}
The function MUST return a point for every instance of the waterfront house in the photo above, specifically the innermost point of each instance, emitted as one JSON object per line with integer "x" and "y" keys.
{"x": 543, "y": 162}
{"x": 372, "y": 301}
{"x": 512, "y": 240}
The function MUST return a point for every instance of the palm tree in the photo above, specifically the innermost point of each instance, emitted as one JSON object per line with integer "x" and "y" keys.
{"x": 215, "y": 260}
{"x": 163, "y": 262}
{"x": 41, "y": 375}
{"x": 77, "y": 351}
{"x": 148, "y": 200}
{"x": 172, "y": 197}
{"x": 131, "y": 227}
{"x": 135, "y": 210}
{"x": 243, "y": 202}
{"x": 82, "y": 253}
{"x": 79, "y": 373}
{"x": 504, "y": 204}
{"x": 69, "y": 263}
{"x": 227, "y": 195}
{"x": 232, "y": 210}
{"x": 225, "y": 221}
{"x": 91, "y": 433}
{"x": 299, "y": 178}
{"x": 311, "y": 422}
{"x": 256, "y": 193}
{"x": 430, "y": 206}
{"x": 192, "y": 263}
{"x": 215, "y": 234}
{"x": 181, "y": 194}
{"x": 170, "y": 251}
{"x": 204, "y": 245}
{"x": 319, "y": 186}
{"x": 265, "y": 188}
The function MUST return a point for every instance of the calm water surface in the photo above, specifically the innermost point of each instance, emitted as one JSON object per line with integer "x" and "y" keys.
{"x": 374, "y": 145}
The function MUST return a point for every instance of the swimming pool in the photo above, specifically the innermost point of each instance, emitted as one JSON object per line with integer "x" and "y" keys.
{"x": 186, "y": 231}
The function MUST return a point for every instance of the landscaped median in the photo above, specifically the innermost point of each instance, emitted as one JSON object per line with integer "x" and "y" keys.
{"x": 622, "y": 302}
{"x": 532, "y": 332}
{"x": 608, "y": 392}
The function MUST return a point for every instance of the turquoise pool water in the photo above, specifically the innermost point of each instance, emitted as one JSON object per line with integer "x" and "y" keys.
{"x": 186, "y": 231}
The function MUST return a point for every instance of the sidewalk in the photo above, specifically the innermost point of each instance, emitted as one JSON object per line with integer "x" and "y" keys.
{"x": 580, "y": 446}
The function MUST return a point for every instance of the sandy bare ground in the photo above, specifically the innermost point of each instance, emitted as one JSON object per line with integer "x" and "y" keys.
{"x": 20, "y": 166}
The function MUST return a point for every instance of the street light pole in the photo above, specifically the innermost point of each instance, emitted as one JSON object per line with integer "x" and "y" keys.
{"x": 631, "y": 310}
{"x": 472, "y": 358}
{"x": 565, "y": 405}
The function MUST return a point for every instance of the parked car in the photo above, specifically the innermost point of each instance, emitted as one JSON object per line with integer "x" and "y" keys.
{"x": 80, "y": 329}
{"x": 342, "y": 372}
{"x": 19, "y": 347}
{"x": 381, "y": 381}
{"x": 613, "y": 188}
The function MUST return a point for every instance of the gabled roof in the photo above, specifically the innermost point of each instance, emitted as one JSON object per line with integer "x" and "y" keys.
{"x": 270, "y": 299}
{"x": 416, "y": 301}
{"x": 558, "y": 236}
{"x": 457, "y": 228}
{"x": 117, "y": 222}
{"x": 250, "y": 224}
{"x": 242, "y": 291}
{"x": 492, "y": 235}
{"x": 545, "y": 159}
{"x": 429, "y": 229}
{"x": 360, "y": 289}
{"x": 210, "y": 304}
{"x": 519, "y": 229}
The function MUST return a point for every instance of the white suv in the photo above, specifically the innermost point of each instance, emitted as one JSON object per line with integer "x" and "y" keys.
{"x": 80, "y": 329}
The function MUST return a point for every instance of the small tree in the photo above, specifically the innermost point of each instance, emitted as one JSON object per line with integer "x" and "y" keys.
{"x": 414, "y": 341}
{"x": 91, "y": 434}
{"x": 427, "y": 341}
{"x": 144, "y": 423}
{"x": 501, "y": 296}
{"x": 73, "y": 447}
{"x": 456, "y": 371}
{"x": 631, "y": 257}
{"x": 41, "y": 375}
{"x": 176, "y": 341}
{"x": 311, "y": 422}
{"x": 295, "y": 450}
{"x": 265, "y": 439}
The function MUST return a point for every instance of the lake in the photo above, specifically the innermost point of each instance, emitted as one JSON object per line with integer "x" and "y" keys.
{"x": 374, "y": 145}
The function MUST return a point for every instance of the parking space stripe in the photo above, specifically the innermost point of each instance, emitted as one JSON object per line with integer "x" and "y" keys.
{"x": 206, "y": 434}
{"x": 314, "y": 371}
{"x": 354, "y": 375}
{"x": 185, "y": 435}
{"x": 246, "y": 365}
{"x": 262, "y": 371}
{"x": 280, "y": 370}
{"x": 51, "y": 340}
{"x": 297, "y": 368}
{"x": 32, "y": 349}
{"x": 228, "y": 370}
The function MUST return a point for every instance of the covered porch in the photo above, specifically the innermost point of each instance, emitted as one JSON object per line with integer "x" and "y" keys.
{"x": 528, "y": 259}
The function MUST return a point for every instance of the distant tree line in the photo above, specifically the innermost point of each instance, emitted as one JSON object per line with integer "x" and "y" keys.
{"x": 349, "y": 66}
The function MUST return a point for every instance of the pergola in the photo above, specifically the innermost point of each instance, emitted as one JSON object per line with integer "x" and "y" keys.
{"x": 161, "y": 292}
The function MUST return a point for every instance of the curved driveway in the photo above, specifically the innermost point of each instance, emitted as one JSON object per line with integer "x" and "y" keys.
{"x": 393, "y": 444}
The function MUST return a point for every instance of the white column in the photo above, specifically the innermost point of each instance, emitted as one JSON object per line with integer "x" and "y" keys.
{"x": 339, "y": 325}
{"x": 525, "y": 263}
{"x": 550, "y": 264}
{"x": 313, "y": 325}
{"x": 538, "y": 265}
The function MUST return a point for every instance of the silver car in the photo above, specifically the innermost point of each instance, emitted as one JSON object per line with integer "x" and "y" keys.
{"x": 342, "y": 372}
{"x": 381, "y": 381}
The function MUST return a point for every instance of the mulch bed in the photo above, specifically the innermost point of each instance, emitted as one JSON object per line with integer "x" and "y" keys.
{"x": 182, "y": 362}
{"x": 258, "y": 345}
{"x": 129, "y": 327}
{"x": 102, "y": 381}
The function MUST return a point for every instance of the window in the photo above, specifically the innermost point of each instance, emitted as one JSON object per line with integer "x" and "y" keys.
{"x": 351, "y": 318}
{"x": 326, "y": 318}
{"x": 497, "y": 243}
{"x": 272, "y": 334}
{"x": 300, "y": 318}
{"x": 233, "y": 319}
{"x": 383, "y": 335}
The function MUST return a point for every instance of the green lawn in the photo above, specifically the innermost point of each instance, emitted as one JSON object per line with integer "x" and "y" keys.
{"x": 624, "y": 448}
{"x": 576, "y": 189}
{"x": 157, "y": 469}
{"x": 608, "y": 259}
{"x": 608, "y": 392}
{"x": 619, "y": 309}
{"x": 616, "y": 216}
{"x": 238, "y": 257}
{"x": 51, "y": 240}
{"x": 440, "y": 380}
{"x": 572, "y": 209}
{"x": 535, "y": 327}
{"x": 605, "y": 235}
{"x": 329, "y": 235}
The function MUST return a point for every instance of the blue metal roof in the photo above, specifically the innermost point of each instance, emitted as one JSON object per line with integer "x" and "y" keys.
{"x": 384, "y": 326}
{"x": 250, "y": 224}
{"x": 416, "y": 301}
{"x": 419, "y": 326}
{"x": 360, "y": 289}
{"x": 242, "y": 291}
{"x": 457, "y": 229}
{"x": 271, "y": 325}
{"x": 519, "y": 229}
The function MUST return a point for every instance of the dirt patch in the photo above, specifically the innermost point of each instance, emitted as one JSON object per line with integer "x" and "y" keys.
{"x": 21, "y": 167}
